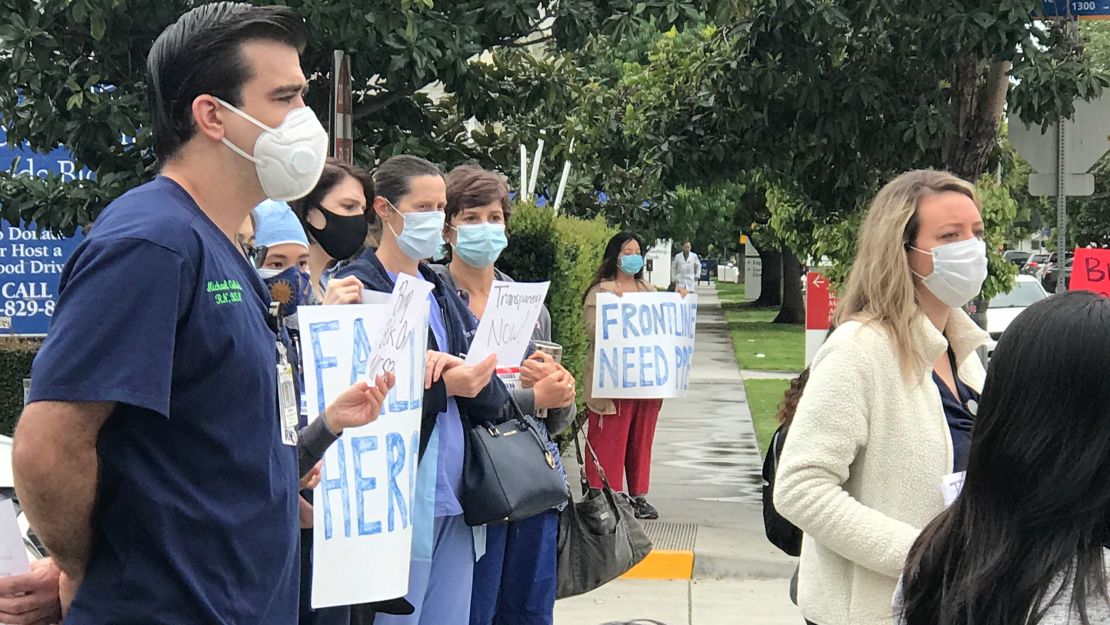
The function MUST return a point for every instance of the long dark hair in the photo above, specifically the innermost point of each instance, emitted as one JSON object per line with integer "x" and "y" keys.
{"x": 1036, "y": 500}
{"x": 610, "y": 260}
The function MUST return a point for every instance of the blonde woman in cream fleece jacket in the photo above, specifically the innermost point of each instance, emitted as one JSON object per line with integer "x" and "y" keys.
{"x": 862, "y": 469}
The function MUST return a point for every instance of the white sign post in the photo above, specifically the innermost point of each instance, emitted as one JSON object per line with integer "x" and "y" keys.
{"x": 753, "y": 273}
{"x": 1062, "y": 155}
{"x": 363, "y": 507}
{"x": 644, "y": 345}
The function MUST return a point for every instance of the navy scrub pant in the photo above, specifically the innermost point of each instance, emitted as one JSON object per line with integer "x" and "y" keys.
{"x": 514, "y": 582}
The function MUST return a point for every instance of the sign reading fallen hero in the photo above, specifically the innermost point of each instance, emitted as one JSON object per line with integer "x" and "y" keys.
{"x": 645, "y": 345}
{"x": 362, "y": 513}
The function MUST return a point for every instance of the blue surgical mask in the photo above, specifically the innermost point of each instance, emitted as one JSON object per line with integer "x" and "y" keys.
{"x": 632, "y": 264}
{"x": 290, "y": 287}
{"x": 479, "y": 245}
{"x": 441, "y": 252}
{"x": 422, "y": 234}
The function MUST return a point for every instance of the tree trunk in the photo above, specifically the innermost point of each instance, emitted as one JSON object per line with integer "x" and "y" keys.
{"x": 770, "y": 293}
{"x": 979, "y": 90}
{"x": 793, "y": 308}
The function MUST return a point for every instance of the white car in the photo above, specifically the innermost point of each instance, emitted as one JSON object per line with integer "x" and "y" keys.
{"x": 7, "y": 491}
{"x": 1004, "y": 308}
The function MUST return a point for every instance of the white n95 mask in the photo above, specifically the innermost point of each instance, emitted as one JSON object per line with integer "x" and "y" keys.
{"x": 290, "y": 158}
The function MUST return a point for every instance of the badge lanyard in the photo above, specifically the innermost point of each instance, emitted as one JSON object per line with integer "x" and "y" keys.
{"x": 288, "y": 404}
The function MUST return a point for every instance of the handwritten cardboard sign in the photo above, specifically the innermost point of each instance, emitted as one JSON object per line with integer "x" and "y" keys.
{"x": 1091, "y": 271}
{"x": 363, "y": 507}
{"x": 644, "y": 345}
{"x": 508, "y": 322}
{"x": 407, "y": 312}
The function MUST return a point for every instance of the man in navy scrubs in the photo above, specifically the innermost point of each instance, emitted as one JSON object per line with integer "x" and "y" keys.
{"x": 154, "y": 459}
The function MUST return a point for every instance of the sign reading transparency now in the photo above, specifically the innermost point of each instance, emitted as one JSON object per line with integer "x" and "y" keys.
{"x": 31, "y": 262}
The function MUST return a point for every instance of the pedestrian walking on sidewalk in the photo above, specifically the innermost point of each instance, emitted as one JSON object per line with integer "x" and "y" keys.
{"x": 621, "y": 431}
{"x": 1026, "y": 540}
{"x": 686, "y": 268}
{"x": 890, "y": 399}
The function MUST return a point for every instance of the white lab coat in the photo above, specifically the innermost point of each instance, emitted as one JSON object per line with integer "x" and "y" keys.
{"x": 685, "y": 271}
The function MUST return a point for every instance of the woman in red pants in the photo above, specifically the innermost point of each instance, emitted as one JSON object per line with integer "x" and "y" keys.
{"x": 621, "y": 430}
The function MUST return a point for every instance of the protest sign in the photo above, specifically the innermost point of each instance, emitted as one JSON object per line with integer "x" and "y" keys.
{"x": 407, "y": 305}
{"x": 644, "y": 345}
{"x": 13, "y": 553}
{"x": 508, "y": 322}
{"x": 1091, "y": 271}
{"x": 363, "y": 506}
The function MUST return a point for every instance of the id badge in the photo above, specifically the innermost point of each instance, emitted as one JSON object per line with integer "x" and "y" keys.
{"x": 288, "y": 405}
{"x": 951, "y": 486}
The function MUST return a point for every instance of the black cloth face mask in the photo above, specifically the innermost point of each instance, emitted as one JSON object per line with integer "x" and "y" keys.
{"x": 341, "y": 236}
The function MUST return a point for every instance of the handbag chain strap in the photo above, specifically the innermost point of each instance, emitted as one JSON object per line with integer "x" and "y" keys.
{"x": 582, "y": 462}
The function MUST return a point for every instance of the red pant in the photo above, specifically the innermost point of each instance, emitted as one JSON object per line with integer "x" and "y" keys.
{"x": 623, "y": 441}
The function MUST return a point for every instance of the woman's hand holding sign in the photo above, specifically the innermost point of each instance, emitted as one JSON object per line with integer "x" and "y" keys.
{"x": 359, "y": 405}
{"x": 344, "y": 291}
{"x": 464, "y": 381}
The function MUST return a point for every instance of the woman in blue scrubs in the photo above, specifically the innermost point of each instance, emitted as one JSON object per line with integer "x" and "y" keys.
{"x": 410, "y": 200}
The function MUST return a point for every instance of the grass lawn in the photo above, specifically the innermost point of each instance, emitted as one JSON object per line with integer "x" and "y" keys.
{"x": 764, "y": 397}
{"x": 759, "y": 344}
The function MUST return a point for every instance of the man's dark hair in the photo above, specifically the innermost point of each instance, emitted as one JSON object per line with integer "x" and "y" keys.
{"x": 200, "y": 54}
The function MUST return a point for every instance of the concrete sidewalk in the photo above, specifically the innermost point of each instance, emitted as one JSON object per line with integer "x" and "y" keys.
{"x": 706, "y": 478}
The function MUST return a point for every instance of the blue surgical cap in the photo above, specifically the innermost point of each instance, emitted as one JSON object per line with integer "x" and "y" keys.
{"x": 277, "y": 225}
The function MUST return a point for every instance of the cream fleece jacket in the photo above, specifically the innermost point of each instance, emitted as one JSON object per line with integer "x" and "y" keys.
{"x": 861, "y": 471}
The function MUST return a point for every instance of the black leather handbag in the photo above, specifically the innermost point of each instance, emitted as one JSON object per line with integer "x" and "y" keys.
{"x": 509, "y": 473}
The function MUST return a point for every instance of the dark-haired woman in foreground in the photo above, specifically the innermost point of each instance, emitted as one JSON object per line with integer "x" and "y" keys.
{"x": 1025, "y": 542}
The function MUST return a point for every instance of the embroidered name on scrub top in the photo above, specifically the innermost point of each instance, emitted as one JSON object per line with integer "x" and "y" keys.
{"x": 225, "y": 291}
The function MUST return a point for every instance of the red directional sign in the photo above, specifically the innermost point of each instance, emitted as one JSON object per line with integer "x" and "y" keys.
{"x": 820, "y": 303}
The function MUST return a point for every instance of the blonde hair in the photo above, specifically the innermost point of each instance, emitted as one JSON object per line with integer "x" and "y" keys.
{"x": 880, "y": 287}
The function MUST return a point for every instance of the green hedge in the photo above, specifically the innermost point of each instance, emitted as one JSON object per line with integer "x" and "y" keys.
{"x": 567, "y": 251}
{"x": 16, "y": 356}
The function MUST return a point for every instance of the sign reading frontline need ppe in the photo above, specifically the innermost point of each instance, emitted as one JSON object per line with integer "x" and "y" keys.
{"x": 363, "y": 512}
{"x": 644, "y": 345}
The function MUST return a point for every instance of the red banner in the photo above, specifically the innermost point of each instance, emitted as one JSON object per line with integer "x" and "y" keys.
{"x": 1091, "y": 271}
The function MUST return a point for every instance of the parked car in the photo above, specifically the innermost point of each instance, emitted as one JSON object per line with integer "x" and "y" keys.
{"x": 1048, "y": 276}
{"x": 1004, "y": 308}
{"x": 1017, "y": 257}
{"x": 1034, "y": 264}
{"x": 35, "y": 550}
